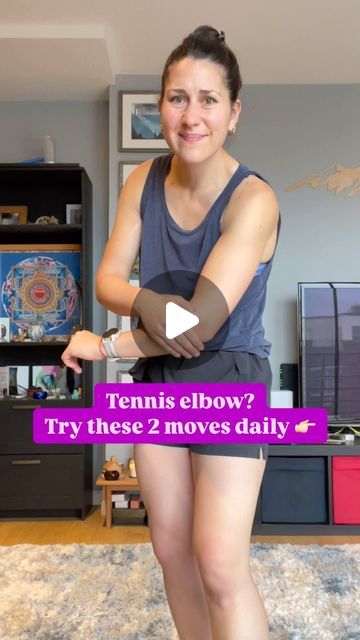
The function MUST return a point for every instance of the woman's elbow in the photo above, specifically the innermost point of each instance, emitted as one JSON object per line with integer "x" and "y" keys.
{"x": 99, "y": 289}
{"x": 206, "y": 331}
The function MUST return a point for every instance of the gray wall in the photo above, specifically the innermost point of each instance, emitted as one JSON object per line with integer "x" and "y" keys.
{"x": 80, "y": 132}
{"x": 123, "y": 83}
{"x": 286, "y": 133}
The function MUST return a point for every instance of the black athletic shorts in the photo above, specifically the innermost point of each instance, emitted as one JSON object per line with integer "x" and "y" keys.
{"x": 219, "y": 366}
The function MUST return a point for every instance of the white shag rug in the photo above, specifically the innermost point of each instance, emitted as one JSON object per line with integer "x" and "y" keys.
{"x": 108, "y": 592}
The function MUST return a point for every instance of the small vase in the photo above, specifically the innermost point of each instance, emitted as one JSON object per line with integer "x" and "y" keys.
{"x": 132, "y": 468}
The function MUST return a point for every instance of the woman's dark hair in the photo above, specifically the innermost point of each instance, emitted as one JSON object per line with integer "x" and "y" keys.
{"x": 208, "y": 44}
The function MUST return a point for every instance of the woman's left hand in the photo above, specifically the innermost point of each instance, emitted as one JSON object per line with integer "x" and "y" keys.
{"x": 85, "y": 345}
{"x": 151, "y": 307}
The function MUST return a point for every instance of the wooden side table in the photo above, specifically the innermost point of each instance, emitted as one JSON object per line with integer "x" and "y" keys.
{"x": 124, "y": 483}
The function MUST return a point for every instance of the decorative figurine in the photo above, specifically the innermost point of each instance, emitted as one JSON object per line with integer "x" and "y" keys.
{"x": 112, "y": 469}
{"x": 47, "y": 220}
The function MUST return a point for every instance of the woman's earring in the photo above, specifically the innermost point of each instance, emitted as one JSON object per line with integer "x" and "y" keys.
{"x": 232, "y": 131}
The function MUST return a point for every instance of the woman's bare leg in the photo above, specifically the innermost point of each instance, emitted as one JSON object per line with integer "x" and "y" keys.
{"x": 226, "y": 491}
{"x": 165, "y": 478}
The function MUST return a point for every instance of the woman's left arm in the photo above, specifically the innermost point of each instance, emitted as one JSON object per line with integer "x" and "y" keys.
{"x": 249, "y": 233}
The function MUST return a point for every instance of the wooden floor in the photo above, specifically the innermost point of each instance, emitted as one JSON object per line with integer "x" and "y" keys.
{"x": 92, "y": 531}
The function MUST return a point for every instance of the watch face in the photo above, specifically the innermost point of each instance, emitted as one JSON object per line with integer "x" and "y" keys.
{"x": 109, "y": 333}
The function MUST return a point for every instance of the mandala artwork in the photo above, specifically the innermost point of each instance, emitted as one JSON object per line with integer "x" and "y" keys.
{"x": 41, "y": 288}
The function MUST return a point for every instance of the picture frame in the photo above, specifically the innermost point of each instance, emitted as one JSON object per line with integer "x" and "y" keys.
{"x": 4, "y": 381}
{"x": 14, "y": 380}
{"x": 73, "y": 213}
{"x": 126, "y": 167}
{"x": 4, "y": 329}
{"x": 41, "y": 285}
{"x": 49, "y": 377}
{"x": 13, "y": 214}
{"x": 139, "y": 122}
{"x": 122, "y": 374}
{"x": 18, "y": 381}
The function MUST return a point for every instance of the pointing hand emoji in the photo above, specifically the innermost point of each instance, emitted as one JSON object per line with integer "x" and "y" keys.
{"x": 302, "y": 427}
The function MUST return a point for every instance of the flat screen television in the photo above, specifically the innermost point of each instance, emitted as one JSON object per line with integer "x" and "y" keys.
{"x": 329, "y": 348}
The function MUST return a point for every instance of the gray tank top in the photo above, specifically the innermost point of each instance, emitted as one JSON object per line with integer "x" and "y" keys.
{"x": 166, "y": 249}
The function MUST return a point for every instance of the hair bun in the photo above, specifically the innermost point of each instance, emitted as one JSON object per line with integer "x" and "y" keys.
{"x": 206, "y": 34}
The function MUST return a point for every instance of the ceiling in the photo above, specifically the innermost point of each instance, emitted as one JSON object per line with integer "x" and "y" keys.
{"x": 73, "y": 49}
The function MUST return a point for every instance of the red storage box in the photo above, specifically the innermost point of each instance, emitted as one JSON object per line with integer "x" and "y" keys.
{"x": 346, "y": 489}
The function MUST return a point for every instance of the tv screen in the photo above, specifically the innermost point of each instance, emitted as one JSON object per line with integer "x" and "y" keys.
{"x": 329, "y": 347}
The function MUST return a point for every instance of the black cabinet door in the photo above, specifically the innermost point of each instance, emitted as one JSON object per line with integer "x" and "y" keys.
{"x": 16, "y": 432}
{"x": 41, "y": 482}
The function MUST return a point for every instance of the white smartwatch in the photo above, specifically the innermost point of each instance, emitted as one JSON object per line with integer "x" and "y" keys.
{"x": 108, "y": 339}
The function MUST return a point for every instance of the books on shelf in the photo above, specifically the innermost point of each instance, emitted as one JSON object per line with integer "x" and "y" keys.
{"x": 119, "y": 497}
{"x": 127, "y": 496}
{"x": 132, "y": 494}
{"x": 136, "y": 503}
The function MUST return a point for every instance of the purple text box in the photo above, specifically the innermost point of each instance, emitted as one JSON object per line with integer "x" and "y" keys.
{"x": 226, "y": 413}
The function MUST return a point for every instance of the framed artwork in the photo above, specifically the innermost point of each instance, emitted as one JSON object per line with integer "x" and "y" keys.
{"x": 125, "y": 168}
{"x": 122, "y": 374}
{"x": 139, "y": 122}
{"x": 4, "y": 329}
{"x": 73, "y": 214}
{"x": 4, "y": 380}
{"x": 49, "y": 377}
{"x": 14, "y": 380}
{"x": 40, "y": 284}
{"x": 13, "y": 214}
{"x": 19, "y": 380}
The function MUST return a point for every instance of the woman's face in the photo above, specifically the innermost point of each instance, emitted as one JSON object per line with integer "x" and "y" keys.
{"x": 196, "y": 111}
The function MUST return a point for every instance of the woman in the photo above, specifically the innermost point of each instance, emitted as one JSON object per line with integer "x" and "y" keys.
{"x": 196, "y": 211}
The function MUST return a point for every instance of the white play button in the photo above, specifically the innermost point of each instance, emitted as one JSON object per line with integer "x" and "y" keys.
{"x": 178, "y": 320}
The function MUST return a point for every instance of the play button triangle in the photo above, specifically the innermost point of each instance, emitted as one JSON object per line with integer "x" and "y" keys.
{"x": 178, "y": 320}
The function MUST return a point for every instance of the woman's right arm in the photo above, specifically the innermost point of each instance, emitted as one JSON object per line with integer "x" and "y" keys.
{"x": 113, "y": 290}
{"x": 115, "y": 293}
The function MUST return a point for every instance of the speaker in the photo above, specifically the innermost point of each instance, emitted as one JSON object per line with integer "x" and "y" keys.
{"x": 289, "y": 380}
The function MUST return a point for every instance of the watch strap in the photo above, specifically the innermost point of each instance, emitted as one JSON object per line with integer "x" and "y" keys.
{"x": 108, "y": 346}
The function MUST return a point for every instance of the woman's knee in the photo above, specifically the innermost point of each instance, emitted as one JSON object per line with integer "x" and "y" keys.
{"x": 169, "y": 544}
{"x": 223, "y": 573}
